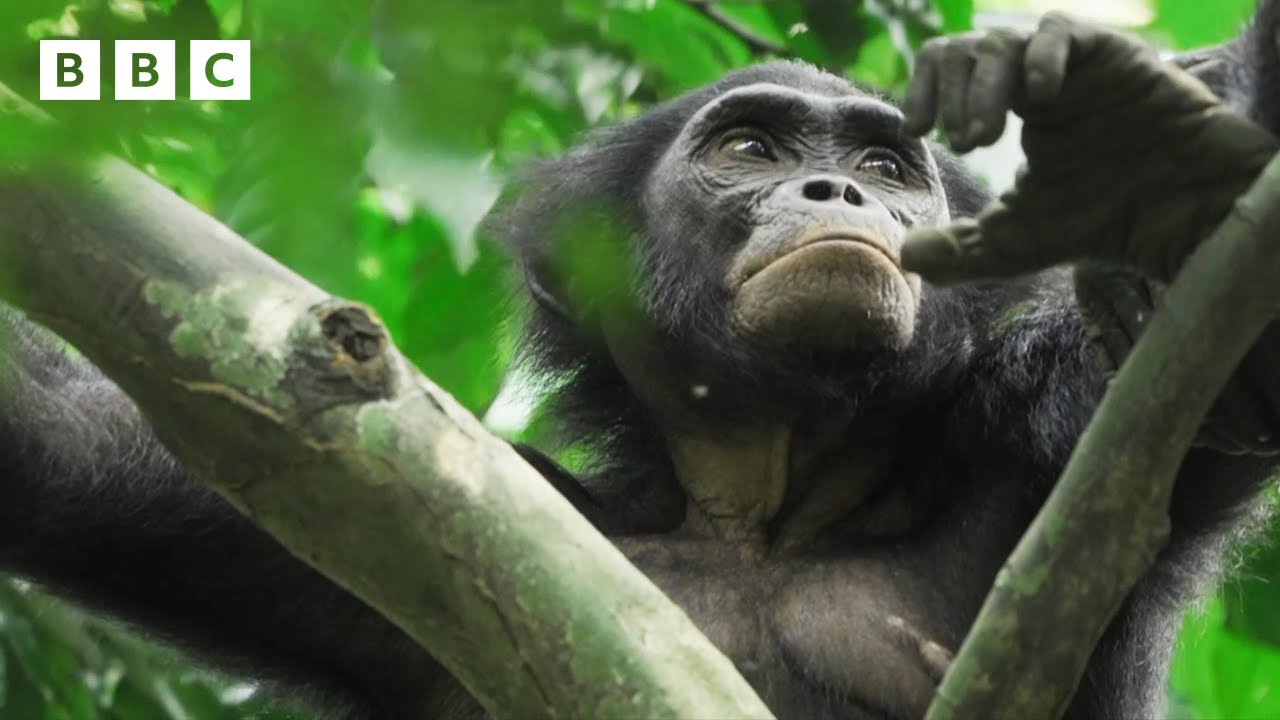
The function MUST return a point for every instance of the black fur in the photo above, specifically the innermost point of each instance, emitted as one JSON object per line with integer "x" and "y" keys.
{"x": 1005, "y": 364}
{"x": 1251, "y": 64}
{"x": 593, "y": 407}
{"x": 987, "y": 402}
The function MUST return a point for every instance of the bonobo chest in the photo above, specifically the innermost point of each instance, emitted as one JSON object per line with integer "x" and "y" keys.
{"x": 822, "y": 559}
{"x": 852, "y": 636}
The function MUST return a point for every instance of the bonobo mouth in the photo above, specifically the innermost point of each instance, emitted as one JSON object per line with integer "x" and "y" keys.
{"x": 832, "y": 287}
{"x": 823, "y": 239}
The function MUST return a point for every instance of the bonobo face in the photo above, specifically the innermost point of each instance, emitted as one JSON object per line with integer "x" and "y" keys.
{"x": 797, "y": 202}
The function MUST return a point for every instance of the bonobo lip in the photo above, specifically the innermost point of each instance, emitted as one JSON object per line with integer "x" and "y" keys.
{"x": 822, "y": 238}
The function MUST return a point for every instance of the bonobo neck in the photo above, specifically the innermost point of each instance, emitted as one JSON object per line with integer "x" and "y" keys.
{"x": 735, "y": 485}
{"x": 764, "y": 486}
{"x": 734, "y": 477}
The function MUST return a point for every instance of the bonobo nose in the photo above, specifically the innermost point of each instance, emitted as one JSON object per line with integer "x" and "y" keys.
{"x": 831, "y": 188}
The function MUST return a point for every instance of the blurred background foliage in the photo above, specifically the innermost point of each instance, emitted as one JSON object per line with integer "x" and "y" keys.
{"x": 378, "y": 136}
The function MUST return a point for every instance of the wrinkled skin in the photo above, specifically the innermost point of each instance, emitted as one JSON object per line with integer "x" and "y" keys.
{"x": 821, "y": 458}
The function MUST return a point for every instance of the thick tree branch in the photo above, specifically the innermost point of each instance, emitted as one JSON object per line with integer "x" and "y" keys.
{"x": 1108, "y": 516}
{"x": 295, "y": 406}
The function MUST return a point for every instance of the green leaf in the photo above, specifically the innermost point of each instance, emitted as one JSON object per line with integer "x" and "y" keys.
{"x": 447, "y": 317}
{"x": 1222, "y": 675}
{"x": 957, "y": 15}
{"x": 685, "y": 47}
{"x": 880, "y": 64}
{"x": 1188, "y": 25}
{"x": 230, "y": 15}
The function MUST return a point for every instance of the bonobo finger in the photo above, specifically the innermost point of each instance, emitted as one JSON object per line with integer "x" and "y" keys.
{"x": 934, "y": 658}
{"x": 1045, "y": 61}
{"x": 994, "y": 245}
{"x": 950, "y": 254}
{"x": 996, "y": 73}
{"x": 953, "y": 91}
{"x": 937, "y": 253}
{"x": 921, "y": 103}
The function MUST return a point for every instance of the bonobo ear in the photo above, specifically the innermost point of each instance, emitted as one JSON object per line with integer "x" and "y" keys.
{"x": 525, "y": 225}
{"x": 583, "y": 269}
{"x": 536, "y": 275}
{"x": 569, "y": 223}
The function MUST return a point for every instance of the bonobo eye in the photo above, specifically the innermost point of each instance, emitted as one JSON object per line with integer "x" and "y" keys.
{"x": 748, "y": 144}
{"x": 882, "y": 163}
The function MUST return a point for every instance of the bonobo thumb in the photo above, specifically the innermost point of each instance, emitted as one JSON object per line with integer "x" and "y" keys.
{"x": 992, "y": 246}
{"x": 948, "y": 254}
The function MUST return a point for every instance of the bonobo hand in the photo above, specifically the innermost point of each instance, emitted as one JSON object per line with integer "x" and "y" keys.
{"x": 1129, "y": 159}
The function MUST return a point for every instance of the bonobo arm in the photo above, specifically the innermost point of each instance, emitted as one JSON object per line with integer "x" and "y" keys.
{"x": 1130, "y": 163}
{"x": 93, "y": 507}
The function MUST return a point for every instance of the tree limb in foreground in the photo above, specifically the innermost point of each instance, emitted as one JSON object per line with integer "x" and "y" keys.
{"x": 296, "y": 407}
{"x": 1107, "y": 517}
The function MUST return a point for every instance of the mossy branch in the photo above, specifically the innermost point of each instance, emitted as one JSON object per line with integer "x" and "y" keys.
{"x": 296, "y": 407}
{"x": 1107, "y": 518}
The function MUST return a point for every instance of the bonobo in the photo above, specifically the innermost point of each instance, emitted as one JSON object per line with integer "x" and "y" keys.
{"x": 823, "y": 458}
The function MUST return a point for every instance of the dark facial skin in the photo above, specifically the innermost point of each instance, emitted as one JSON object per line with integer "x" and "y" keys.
{"x": 816, "y": 193}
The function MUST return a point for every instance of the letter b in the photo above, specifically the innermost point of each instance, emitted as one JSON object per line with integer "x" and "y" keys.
{"x": 69, "y": 64}
{"x": 70, "y": 70}
{"x": 146, "y": 70}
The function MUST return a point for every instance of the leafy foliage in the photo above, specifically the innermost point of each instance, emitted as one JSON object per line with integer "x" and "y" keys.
{"x": 57, "y": 663}
{"x": 1187, "y": 25}
{"x": 378, "y": 136}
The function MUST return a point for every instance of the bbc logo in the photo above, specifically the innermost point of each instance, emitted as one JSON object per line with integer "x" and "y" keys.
{"x": 145, "y": 70}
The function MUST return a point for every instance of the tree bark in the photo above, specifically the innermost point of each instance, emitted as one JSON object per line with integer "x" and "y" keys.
{"x": 296, "y": 407}
{"x": 1107, "y": 518}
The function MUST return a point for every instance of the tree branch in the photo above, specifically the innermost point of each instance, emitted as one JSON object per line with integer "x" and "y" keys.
{"x": 1107, "y": 518}
{"x": 756, "y": 44}
{"x": 297, "y": 408}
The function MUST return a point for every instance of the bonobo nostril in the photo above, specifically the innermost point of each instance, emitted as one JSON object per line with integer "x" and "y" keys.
{"x": 817, "y": 190}
{"x": 824, "y": 189}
